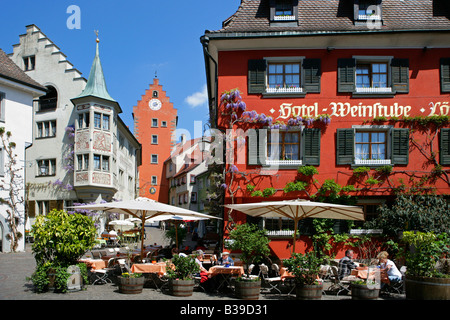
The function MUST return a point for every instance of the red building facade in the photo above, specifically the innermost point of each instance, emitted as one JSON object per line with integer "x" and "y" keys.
{"x": 155, "y": 120}
{"x": 358, "y": 90}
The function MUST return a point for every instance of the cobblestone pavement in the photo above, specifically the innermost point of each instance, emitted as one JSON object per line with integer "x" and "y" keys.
{"x": 16, "y": 267}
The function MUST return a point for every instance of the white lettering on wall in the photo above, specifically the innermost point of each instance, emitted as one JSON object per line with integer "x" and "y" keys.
{"x": 360, "y": 110}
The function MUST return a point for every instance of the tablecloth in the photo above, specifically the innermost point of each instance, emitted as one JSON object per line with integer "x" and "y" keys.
{"x": 158, "y": 268}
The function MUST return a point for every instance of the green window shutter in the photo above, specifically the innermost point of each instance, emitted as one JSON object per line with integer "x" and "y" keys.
{"x": 257, "y": 146}
{"x": 256, "y": 76}
{"x": 311, "y": 146}
{"x": 345, "y": 146}
{"x": 444, "y": 147}
{"x": 346, "y": 75}
{"x": 311, "y": 75}
{"x": 400, "y": 75}
{"x": 445, "y": 74}
{"x": 252, "y": 143}
{"x": 400, "y": 146}
{"x": 262, "y": 146}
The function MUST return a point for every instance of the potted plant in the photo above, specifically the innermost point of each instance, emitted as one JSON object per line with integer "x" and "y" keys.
{"x": 181, "y": 271}
{"x": 305, "y": 268}
{"x": 60, "y": 240}
{"x": 424, "y": 280}
{"x": 254, "y": 246}
{"x": 131, "y": 283}
{"x": 365, "y": 289}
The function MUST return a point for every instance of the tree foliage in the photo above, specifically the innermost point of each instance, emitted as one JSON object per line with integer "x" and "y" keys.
{"x": 62, "y": 238}
{"x": 426, "y": 213}
{"x": 251, "y": 241}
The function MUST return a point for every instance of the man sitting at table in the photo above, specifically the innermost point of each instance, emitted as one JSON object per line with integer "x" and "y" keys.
{"x": 346, "y": 264}
{"x": 226, "y": 260}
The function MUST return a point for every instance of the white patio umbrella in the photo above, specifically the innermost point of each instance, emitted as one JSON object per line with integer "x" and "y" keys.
{"x": 143, "y": 209}
{"x": 121, "y": 223}
{"x": 176, "y": 219}
{"x": 299, "y": 209}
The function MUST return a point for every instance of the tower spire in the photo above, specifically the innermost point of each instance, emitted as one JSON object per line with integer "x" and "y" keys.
{"x": 96, "y": 85}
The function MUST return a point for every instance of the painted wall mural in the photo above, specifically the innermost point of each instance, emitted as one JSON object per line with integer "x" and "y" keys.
{"x": 101, "y": 141}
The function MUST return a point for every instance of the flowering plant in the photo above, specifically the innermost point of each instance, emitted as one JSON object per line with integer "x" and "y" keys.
{"x": 131, "y": 275}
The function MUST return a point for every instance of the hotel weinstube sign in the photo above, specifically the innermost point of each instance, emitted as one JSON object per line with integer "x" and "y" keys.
{"x": 359, "y": 110}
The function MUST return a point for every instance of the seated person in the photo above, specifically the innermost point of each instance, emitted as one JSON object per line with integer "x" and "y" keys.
{"x": 198, "y": 257}
{"x": 389, "y": 267}
{"x": 225, "y": 259}
{"x": 346, "y": 264}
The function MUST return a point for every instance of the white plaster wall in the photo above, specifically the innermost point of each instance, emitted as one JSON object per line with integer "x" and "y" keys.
{"x": 18, "y": 119}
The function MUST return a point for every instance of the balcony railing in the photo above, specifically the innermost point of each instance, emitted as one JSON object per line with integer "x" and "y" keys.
{"x": 284, "y": 90}
{"x": 284, "y": 162}
{"x": 369, "y": 17}
{"x": 374, "y": 90}
{"x": 284, "y": 18}
{"x": 373, "y": 162}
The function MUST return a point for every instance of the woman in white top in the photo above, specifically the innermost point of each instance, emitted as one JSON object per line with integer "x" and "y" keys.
{"x": 389, "y": 267}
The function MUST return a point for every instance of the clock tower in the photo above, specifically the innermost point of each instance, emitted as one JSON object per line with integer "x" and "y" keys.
{"x": 155, "y": 121}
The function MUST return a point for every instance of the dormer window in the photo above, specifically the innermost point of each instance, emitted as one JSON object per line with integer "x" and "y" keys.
{"x": 367, "y": 10}
{"x": 283, "y": 10}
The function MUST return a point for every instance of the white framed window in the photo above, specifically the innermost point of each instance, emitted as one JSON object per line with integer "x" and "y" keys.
{"x": 83, "y": 120}
{"x": 154, "y": 180}
{"x": 154, "y": 139}
{"x": 154, "y": 123}
{"x": 163, "y": 124}
{"x": 46, "y": 129}
{"x": 82, "y": 162}
{"x": 154, "y": 158}
{"x": 101, "y": 163}
{"x": 2, "y": 106}
{"x": 46, "y": 167}
{"x": 368, "y": 10}
{"x": 373, "y": 75}
{"x": 284, "y": 75}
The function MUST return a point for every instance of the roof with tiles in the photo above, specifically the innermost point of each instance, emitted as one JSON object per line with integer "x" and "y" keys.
{"x": 9, "y": 70}
{"x": 337, "y": 15}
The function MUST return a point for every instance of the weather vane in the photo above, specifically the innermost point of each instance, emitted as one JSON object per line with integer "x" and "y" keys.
{"x": 96, "y": 33}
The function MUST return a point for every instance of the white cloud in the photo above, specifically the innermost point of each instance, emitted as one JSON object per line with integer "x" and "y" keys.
{"x": 198, "y": 98}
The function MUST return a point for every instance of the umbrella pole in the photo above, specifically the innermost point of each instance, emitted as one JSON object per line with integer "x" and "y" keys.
{"x": 295, "y": 233}
{"x": 142, "y": 237}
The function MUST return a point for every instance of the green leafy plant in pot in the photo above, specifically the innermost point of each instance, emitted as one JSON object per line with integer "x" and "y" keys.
{"x": 423, "y": 254}
{"x": 254, "y": 246}
{"x": 60, "y": 239}
{"x": 305, "y": 268}
{"x": 181, "y": 270}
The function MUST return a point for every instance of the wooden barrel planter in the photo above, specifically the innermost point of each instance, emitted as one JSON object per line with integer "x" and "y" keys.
{"x": 182, "y": 288}
{"x": 362, "y": 292}
{"x": 309, "y": 292}
{"x": 248, "y": 290}
{"x": 426, "y": 288}
{"x": 131, "y": 285}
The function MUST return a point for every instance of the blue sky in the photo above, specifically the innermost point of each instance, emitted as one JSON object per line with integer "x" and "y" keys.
{"x": 137, "y": 39}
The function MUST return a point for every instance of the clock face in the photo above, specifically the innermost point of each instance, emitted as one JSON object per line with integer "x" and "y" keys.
{"x": 154, "y": 104}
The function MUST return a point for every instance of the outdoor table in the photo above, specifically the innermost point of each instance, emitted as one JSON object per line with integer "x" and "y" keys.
{"x": 95, "y": 264}
{"x": 157, "y": 268}
{"x": 361, "y": 272}
{"x": 155, "y": 272}
{"x": 225, "y": 274}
